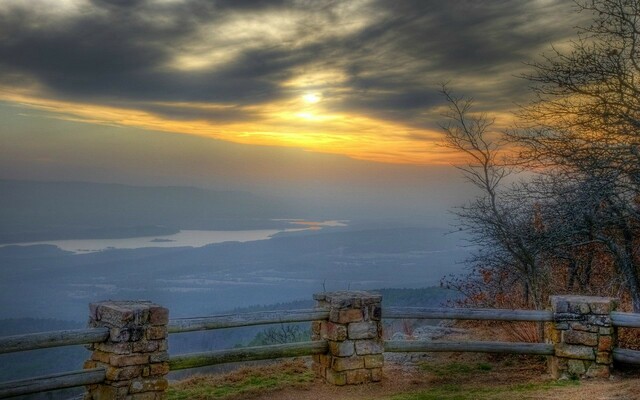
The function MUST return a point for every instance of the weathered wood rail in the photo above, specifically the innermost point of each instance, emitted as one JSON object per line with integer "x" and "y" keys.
{"x": 249, "y": 319}
{"x": 43, "y": 340}
{"x": 97, "y": 335}
{"x": 52, "y": 382}
{"x": 486, "y": 314}
{"x": 195, "y": 360}
{"x": 421, "y": 346}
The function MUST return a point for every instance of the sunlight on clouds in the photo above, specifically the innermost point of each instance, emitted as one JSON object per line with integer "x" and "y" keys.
{"x": 312, "y": 98}
{"x": 355, "y": 136}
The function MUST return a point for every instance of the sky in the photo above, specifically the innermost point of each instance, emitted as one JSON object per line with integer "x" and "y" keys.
{"x": 301, "y": 97}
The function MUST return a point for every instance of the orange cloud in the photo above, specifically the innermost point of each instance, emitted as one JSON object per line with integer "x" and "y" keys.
{"x": 293, "y": 123}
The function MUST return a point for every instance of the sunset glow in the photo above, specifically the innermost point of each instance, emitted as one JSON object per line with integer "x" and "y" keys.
{"x": 356, "y": 79}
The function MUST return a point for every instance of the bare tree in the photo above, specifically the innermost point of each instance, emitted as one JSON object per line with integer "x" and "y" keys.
{"x": 499, "y": 221}
{"x": 583, "y": 128}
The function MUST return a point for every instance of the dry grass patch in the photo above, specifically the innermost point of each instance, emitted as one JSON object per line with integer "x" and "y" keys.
{"x": 244, "y": 383}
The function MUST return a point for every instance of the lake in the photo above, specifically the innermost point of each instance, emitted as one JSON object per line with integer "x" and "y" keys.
{"x": 184, "y": 238}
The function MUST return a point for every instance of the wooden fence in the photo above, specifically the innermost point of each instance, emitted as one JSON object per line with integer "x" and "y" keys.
{"x": 92, "y": 376}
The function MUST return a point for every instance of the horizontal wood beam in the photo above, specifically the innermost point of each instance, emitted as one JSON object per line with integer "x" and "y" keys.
{"x": 195, "y": 360}
{"x": 467, "y": 313}
{"x": 402, "y": 346}
{"x": 31, "y": 341}
{"x": 626, "y": 356}
{"x": 625, "y": 320}
{"x": 248, "y": 319}
{"x": 52, "y": 382}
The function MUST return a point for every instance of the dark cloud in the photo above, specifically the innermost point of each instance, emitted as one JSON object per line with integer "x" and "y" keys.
{"x": 123, "y": 51}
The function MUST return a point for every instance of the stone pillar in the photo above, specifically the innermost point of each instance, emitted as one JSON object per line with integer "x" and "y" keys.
{"x": 354, "y": 334}
{"x": 135, "y": 354}
{"x": 583, "y": 336}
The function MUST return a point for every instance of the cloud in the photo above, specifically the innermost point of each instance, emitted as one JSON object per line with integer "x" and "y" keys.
{"x": 372, "y": 58}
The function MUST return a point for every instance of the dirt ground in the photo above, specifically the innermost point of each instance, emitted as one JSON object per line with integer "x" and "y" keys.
{"x": 624, "y": 385}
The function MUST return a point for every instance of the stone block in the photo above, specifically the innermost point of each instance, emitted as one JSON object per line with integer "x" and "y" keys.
{"x": 599, "y": 320}
{"x": 598, "y": 371}
{"x": 126, "y": 334}
{"x": 342, "y": 349}
{"x": 159, "y": 369}
{"x": 115, "y": 348}
{"x": 580, "y": 337}
{"x": 325, "y": 360}
{"x": 159, "y": 357}
{"x": 121, "y": 313}
{"x": 146, "y": 346}
{"x": 118, "y": 360}
{"x": 574, "y": 351}
{"x": 604, "y": 306}
{"x": 605, "y": 343}
{"x": 358, "y": 376}
{"x": 605, "y": 330}
{"x": 156, "y": 332}
{"x": 347, "y": 363}
{"x": 335, "y": 332}
{"x": 374, "y": 361}
{"x": 576, "y": 367}
{"x": 347, "y": 316}
{"x": 604, "y": 357}
{"x": 559, "y": 304}
{"x": 350, "y": 299}
{"x": 148, "y": 385}
{"x": 364, "y": 347}
{"x": 101, "y": 356}
{"x": 376, "y": 374}
{"x": 581, "y": 326}
{"x": 375, "y": 312}
{"x": 316, "y": 327}
{"x": 336, "y": 378}
{"x": 123, "y": 373}
{"x": 363, "y": 330}
{"x": 158, "y": 315}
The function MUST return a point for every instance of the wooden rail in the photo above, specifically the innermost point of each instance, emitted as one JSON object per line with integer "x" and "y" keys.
{"x": 52, "y": 382}
{"x": 9, "y": 344}
{"x": 625, "y": 320}
{"x": 467, "y": 313}
{"x": 407, "y": 346}
{"x": 626, "y": 356}
{"x": 248, "y": 319}
{"x": 194, "y": 360}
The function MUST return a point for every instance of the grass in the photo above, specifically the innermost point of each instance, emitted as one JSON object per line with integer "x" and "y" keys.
{"x": 452, "y": 391}
{"x": 454, "y": 368}
{"x": 242, "y": 383}
{"x": 464, "y": 381}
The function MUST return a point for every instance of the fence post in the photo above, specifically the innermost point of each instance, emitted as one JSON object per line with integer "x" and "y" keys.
{"x": 354, "y": 334}
{"x": 135, "y": 353}
{"x": 583, "y": 336}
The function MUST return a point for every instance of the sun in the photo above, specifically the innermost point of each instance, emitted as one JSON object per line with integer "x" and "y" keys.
{"x": 312, "y": 98}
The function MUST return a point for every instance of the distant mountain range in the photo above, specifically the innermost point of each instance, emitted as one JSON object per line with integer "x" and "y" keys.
{"x": 33, "y": 211}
